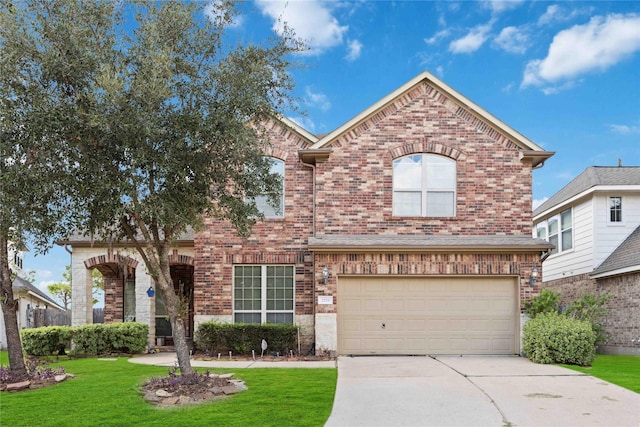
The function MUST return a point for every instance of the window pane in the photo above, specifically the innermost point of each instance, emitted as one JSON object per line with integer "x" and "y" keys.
{"x": 554, "y": 241}
{"x": 565, "y": 219}
{"x": 553, "y": 227}
{"x": 440, "y": 203}
{"x": 279, "y": 317}
{"x": 246, "y": 318}
{"x": 247, "y": 288}
{"x": 541, "y": 231}
{"x": 407, "y": 172}
{"x": 129, "y": 301}
{"x": 264, "y": 203}
{"x": 615, "y": 209}
{"x": 441, "y": 173}
{"x": 567, "y": 240}
{"x": 161, "y": 307}
{"x": 407, "y": 203}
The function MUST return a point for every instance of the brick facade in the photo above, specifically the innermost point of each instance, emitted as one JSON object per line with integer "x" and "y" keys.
{"x": 622, "y": 322}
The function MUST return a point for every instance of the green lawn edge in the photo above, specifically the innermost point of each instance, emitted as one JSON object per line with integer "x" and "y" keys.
{"x": 622, "y": 370}
{"x": 107, "y": 393}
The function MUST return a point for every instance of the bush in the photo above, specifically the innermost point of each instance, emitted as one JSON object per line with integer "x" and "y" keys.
{"x": 241, "y": 338}
{"x": 555, "y": 338}
{"x": 592, "y": 309}
{"x": 47, "y": 340}
{"x": 546, "y": 302}
{"x": 101, "y": 338}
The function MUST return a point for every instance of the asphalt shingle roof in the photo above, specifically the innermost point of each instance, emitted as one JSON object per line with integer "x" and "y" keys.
{"x": 625, "y": 255}
{"x": 20, "y": 284}
{"x": 591, "y": 177}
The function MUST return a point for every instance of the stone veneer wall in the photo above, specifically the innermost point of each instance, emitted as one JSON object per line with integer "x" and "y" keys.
{"x": 622, "y": 323}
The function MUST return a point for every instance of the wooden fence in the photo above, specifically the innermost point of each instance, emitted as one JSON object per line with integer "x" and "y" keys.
{"x": 48, "y": 317}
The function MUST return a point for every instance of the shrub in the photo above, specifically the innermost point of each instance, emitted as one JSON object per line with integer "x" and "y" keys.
{"x": 47, "y": 340}
{"x": 546, "y": 302}
{"x": 592, "y": 309}
{"x": 555, "y": 338}
{"x": 99, "y": 338}
{"x": 241, "y": 338}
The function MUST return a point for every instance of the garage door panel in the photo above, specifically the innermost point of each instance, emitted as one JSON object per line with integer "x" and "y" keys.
{"x": 426, "y": 315}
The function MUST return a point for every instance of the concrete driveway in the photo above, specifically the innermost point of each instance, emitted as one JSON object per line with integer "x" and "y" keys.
{"x": 474, "y": 391}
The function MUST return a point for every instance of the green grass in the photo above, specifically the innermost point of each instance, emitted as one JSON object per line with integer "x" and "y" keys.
{"x": 621, "y": 370}
{"x": 107, "y": 393}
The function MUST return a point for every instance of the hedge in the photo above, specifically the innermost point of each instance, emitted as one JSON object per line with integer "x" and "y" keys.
{"x": 242, "y": 338}
{"x": 95, "y": 339}
{"x": 45, "y": 341}
{"x": 555, "y": 338}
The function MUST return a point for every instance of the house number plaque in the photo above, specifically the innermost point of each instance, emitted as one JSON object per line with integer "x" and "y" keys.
{"x": 325, "y": 299}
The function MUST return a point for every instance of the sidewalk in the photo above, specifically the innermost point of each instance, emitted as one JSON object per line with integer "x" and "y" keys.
{"x": 169, "y": 358}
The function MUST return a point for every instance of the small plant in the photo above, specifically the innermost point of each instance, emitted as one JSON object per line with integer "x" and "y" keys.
{"x": 546, "y": 302}
{"x": 592, "y": 309}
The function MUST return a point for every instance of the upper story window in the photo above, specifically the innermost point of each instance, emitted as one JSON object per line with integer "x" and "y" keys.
{"x": 557, "y": 230}
{"x": 262, "y": 202}
{"x": 263, "y": 293}
{"x": 424, "y": 185}
{"x": 18, "y": 260}
{"x": 615, "y": 209}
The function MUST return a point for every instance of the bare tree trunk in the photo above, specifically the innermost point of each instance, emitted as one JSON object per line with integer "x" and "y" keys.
{"x": 177, "y": 316}
{"x": 9, "y": 305}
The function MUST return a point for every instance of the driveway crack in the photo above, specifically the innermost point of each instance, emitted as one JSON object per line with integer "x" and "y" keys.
{"x": 505, "y": 421}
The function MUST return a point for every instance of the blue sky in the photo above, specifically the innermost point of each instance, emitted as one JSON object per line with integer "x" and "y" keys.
{"x": 564, "y": 74}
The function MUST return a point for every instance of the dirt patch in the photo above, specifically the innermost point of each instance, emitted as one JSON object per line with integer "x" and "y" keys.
{"x": 190, "y": 389}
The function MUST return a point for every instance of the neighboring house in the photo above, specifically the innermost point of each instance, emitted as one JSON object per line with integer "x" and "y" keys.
{"x": 29, "y": 297}
{"x": 594, "y": 222}
{"x": 407, "y": 230}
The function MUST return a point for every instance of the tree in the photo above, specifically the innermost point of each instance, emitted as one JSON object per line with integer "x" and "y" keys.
{"x": 62, "y": 290}
{"x": 32, "y": 189}
{"x": 167, "y": 113}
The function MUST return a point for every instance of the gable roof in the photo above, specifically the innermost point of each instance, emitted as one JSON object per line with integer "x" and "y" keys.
{"x": 20, "y": 284}
{"x": 622, "y": 260}
{"x": 592, "y": 177}
{"x": 462, "y": 105}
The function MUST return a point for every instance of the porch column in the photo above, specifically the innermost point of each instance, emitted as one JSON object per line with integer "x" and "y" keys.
{"x": 145, "y": 305}
{"x": 81, "y": 294}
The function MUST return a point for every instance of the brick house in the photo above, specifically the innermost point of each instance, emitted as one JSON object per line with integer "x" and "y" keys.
{"x": 594, "y": 222}
{"x": 407, "y": 230}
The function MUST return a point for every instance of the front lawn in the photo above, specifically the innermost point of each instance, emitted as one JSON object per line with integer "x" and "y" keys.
{"x": 107, "y": 393}
{"x": 621, "y": 370}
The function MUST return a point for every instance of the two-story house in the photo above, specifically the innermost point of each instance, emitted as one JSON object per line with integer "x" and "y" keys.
{"x": 407, "y": 230}
{"x": 594, "y": 223}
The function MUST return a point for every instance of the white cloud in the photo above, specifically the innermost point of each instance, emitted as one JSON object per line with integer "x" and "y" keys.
{"x": 437, "y": 36}
{"x": 538, "y": 202}
{"x": 595, "y": 46}
{"x": 555, "y": 13}
{"x": 317, "y": 99}
{"x": 355, "y": 48}
{"x": 498, "y": 6}
{"x": 512, "y": 39}
{"x": 305, "y": 123}
{"x": 214, "y": 11}
{"x": 625, "y": 129}
{"x": 311, "y": 21}
{"x": 472, "y": 41}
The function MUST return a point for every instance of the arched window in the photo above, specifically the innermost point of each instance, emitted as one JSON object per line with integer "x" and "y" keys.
{"x": 424, "y": 185}
{"x": 263, "y": 202}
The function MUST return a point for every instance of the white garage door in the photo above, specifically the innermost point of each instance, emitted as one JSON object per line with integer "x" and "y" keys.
{"x": 418, "y": 315}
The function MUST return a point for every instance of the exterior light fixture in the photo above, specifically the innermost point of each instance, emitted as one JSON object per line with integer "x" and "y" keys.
{"x": 533, "y": 277}
{"x": 151, "y": 292}
{"x": 325, "y": 274}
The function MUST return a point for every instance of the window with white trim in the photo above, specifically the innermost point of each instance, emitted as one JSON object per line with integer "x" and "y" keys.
{"x": 424, "y": 185}
{"x": 263, "y": 202}
{"x": 615, "y": 209}
{"x": 557, "y": 230}
{"x": 263, "y": 293}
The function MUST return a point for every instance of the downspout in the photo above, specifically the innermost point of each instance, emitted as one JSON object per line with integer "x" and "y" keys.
{"x": 313, "y": 258}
